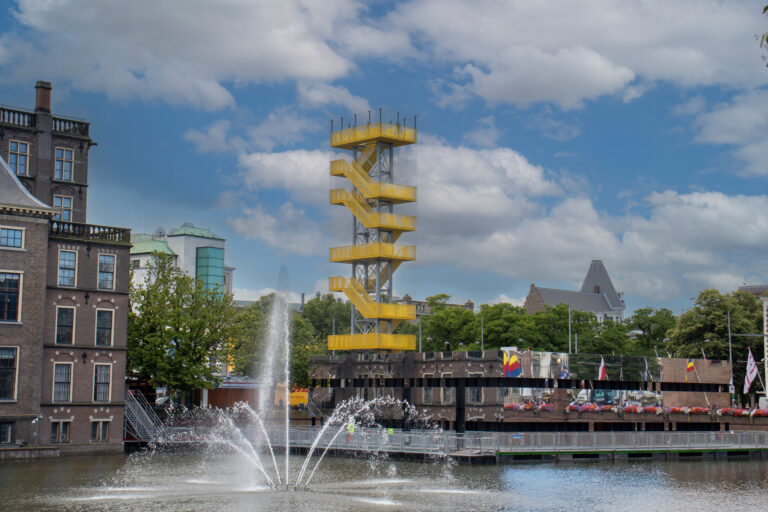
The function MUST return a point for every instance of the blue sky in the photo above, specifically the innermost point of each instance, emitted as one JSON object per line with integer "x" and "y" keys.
{"x": 551, "y": 133}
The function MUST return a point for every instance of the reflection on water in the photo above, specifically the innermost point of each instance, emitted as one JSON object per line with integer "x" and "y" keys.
{"x": 171, "y": 482}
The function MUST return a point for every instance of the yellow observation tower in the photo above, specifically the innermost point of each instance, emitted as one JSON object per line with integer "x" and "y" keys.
{"x": 374, "y": 253}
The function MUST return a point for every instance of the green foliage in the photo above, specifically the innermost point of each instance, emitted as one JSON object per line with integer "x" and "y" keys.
{"x": 653, "y": 326}
{"x": 246, "y": 344}
{"x": 304, "y": 343}
{"x": 176, "y": 328}
{"x": 323, "y": 312}
{"x": 705, "y": 326}
{"x": 449, "y": 325}
{"x": 438, "y": 300}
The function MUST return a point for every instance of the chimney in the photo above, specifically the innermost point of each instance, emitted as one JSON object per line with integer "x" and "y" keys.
{"x": 43, "y": 97}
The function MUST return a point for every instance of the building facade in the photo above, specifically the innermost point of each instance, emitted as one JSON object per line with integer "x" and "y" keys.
{"x": 529, "y": 391}
{"x": 67, "y": 282}
{"x": 197, "y": 251}
{"x": 597, "y": 295}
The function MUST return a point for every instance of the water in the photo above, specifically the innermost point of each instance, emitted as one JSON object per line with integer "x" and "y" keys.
{"x": 203, "y": 482}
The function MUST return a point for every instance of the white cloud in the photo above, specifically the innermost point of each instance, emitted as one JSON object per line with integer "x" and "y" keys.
{"x": 215, "y": 139}
{"x": 282, "y": 127}
{"x": 180, "y": 51}
{"x": 567, "y": 52}
{"x": 551, "y": 128}
{"x": 289, "y": 230}
{"x": 506, "y": 299}
{"x": 321, "y": 94}
{"x": 301, "y": 172}
{"x": 742, "y": 123}
{"x": 492, "y": 210}
{"x": 486, "y": 135}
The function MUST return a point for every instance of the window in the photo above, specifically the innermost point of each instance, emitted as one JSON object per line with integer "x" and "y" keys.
{"x": 67, "y": 268}
{"x": 18, "y": 157}
{"x": 64, "y": 205}
{"x": 60, "y": 431}
{"x": 101, "y": 374}
{"x": 475, "y": 395}
{"x": 62, "y": 382}
{"x": 106, "y": 272}
{"x": 447, "y": 393}
{"x": 64, "y": 164}
{"x": 100, "y": 431}
{"x": 6, "y": 433}
{"x": 65, "y": 325}
{"x": 10, "y": 297}
{"x": 210, "y": 267}
{"x": 104, "y": 319}
{"x": 12, "y": 237}
{"x": 8, "y": 369}
{"x": 135, "y": 264}
{"x": 428, "y": 391}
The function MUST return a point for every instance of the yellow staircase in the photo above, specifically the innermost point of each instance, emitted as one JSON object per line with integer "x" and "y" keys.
{"x": 353, "y": 289}
{"x": 372, "y": 219}
{"x": 370, "y": 189}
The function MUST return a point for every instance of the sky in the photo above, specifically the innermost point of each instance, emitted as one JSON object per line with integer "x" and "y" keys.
{"x": 550, "y": 133}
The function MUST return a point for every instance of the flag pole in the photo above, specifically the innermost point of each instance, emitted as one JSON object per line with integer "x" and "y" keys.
{"x": 696, "y": 371}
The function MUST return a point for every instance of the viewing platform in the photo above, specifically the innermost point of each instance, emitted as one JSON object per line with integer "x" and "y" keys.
{"x": 372, "y": 341}
{"x": 373, "y": 251}
{"x": 387, "y": 133}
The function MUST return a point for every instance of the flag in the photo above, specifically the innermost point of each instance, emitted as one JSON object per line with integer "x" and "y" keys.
{"x": 602, "y": 374}
{"x": 646, "y": 373}
{"x": 751, "y": 372}
{"x": 688, "y": 368}
{"x": 512, "y": 366}
{"x": 563, "y": 372}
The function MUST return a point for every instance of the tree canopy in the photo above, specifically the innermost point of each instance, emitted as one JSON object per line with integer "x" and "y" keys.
{"x": 176, "y": 328}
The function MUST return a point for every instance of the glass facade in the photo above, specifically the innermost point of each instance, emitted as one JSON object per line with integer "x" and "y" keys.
{"x": 210, "y": 267}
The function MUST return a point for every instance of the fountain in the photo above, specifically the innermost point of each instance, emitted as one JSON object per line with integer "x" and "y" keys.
{"x": 253, "y": 433}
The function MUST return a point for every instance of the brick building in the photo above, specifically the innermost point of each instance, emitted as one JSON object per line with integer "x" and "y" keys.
{"x": 63, "y": 290}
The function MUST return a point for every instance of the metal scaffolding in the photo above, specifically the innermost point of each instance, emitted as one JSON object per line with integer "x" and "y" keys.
{"x": 374, "y": 253}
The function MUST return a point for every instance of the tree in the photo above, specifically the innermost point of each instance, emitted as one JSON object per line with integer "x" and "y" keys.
{"x": 176, "y": 328}
{"x": 653, "y": 326}
{"x": 326, "y": 312}
{"x": 246, "y": 342}
{"x": 705, "y": 326}
{"x": 304, "y": 343}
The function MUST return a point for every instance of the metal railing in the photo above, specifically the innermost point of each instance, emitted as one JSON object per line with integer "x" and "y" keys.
{"x": 141, "y": 422}
{"x": 486, "y": 443}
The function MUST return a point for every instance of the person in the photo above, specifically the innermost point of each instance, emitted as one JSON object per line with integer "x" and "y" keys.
{"x": 350, "y": 431}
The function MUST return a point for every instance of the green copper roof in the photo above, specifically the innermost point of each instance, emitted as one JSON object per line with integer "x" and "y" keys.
{"x": 150, "y": 246}
{"x": 140, "y": 237}
{"x": 190, "y": 230}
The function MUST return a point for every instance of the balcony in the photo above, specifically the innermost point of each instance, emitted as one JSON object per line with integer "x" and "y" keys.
{"x": 16, "y": 118}
{"x": 60, "y": 125}
{"x": 90, "y": 233}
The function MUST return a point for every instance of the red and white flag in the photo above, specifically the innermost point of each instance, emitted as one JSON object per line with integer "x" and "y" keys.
{"x": 751, "y": 372}
{"x": 602, "y": 374}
